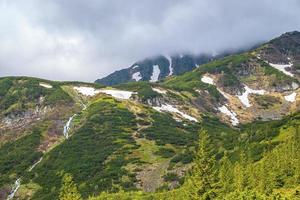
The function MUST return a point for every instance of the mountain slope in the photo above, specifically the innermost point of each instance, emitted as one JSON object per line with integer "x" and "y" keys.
{"x": 154, "y": 69}
{"x": 142, "y": 137}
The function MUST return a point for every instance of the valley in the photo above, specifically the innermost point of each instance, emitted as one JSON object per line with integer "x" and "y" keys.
{"x": 227, "y": 129}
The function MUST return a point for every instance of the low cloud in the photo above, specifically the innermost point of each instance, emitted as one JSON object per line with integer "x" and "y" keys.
{"x": 85, "y": 40}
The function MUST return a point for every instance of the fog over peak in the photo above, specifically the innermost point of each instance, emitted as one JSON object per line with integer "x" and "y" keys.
{"x": 86, "y": 40}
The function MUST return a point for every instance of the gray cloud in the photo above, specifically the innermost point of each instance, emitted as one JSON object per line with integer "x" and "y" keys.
{"x": 84, "y": 40}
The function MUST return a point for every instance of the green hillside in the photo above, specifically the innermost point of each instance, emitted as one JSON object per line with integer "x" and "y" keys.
{"x": 229, "y": 129}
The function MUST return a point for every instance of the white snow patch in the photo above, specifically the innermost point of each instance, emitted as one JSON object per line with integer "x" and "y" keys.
{"x": 291, "y": 97}
{"x": 14, "y": 189}
{"x": 119, "y": 94}
{"x": 172, "y": 109}
{"x": 282, "y": 68}
{"x": 295, "y": 86}
{"x": 244, "y": 97}
{"x": 45, "y": 85}
{"x": 155, "y": 74}
{"x": 87, "y": 91}
{"x": 134, "y": 67}
{"x": 208, "y": 80}
{"x": 160, "y": 91}
{"x": 170, "y": 65}
{"x": 137, "y": 76}
{"x": 233, "y": 116}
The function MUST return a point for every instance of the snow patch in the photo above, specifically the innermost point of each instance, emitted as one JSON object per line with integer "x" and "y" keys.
{"x": 244, "y": 97}
{"x": 233, "y": 116}
{"x": 282, "y": 68}
{"x": 155, "y": 74}
{"x": 119, "y": 94}
{"x": 172, "y": 109}
{"x": 137, "y": 76}
{"x": 134, "y": 67}
{"x": 87, "y": 91}
{"x": 208, "y": 80}
{"x": 14, "y": 189}
{"x": 45, "y": 85}
{"x": 295, "y": 86}
{"x": 291, "y": 97}
{"x": 170, "y": 65}
{"x": 160, "y": 91}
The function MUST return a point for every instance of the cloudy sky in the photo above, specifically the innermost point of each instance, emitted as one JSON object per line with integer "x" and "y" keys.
{"x": 88, "y": 39}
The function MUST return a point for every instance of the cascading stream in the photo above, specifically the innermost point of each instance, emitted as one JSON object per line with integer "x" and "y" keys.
{"x": 66, "y": 134}
{"x": 14, "y": 189}
{"x": 35, "y": 164}
{"x": 67, "y": 126}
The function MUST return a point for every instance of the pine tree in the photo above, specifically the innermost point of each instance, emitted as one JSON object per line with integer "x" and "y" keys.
{"x": 203, "y": 174}
{"x": 69, "y": 190}
{"x": 240, "y": 173}
{"x": 226, "y": 174}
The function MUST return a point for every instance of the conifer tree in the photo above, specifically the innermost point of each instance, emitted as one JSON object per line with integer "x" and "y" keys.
{"x": 69, "y": 190}
{"x": 203, "y": 174}
{"x": 240, "y": 173}
{"x": 226, "y": 174}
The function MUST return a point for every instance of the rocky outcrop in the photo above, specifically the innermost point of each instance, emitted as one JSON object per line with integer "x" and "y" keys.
{"x": 23, "y": 118}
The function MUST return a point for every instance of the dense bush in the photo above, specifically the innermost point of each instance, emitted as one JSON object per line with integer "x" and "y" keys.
{"x": 165, "y": 152}
{"x": 165, "y": 130}
{"x": 20, "y": 93}
{"x": 94, "y": 155}
{"x": 17, "y": 156}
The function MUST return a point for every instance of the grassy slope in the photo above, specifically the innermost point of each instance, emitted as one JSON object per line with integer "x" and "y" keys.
{"x": 274, "y": 136}
{"x": 21, "y": 93}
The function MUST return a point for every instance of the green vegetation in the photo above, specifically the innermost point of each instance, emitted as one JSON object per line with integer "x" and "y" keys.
{"x": 280, "y": 77}
{"x": 69, "y": 190}
{"x": 192, "y": 80}
{"x": 117, "y": 148}
{"x": 101, "y": 145}
{"x": 17, "y": 156}
{"x": 165, "y": 130}
{"x": 143, "y": 89}
{"x": 165, "y": 152}
{"x": 274, "y": 176}
{"x": 266, "y": 101}
{"x": 21, "y": 93}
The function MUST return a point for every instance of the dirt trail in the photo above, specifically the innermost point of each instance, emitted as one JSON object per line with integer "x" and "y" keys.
{"x": 150, "y": 177}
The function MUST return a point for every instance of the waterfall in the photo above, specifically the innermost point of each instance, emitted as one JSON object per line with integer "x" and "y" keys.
{"x": 14, "y": 189}
{"x": 67, "y": 126}
{"x": 35, "y": 164}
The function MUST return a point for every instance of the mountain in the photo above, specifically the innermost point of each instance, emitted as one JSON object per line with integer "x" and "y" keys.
{"x": 228, "y": 129}
{"x": 159, "y": 67}
{"x": 156, "y": 68}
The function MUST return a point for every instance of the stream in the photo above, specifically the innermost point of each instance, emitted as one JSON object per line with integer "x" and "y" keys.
{"x": 14, "y": 189}
{"x": 18, "y": 181}
{"x": 35, "y": 164}
{"x": 67, "y": 126}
